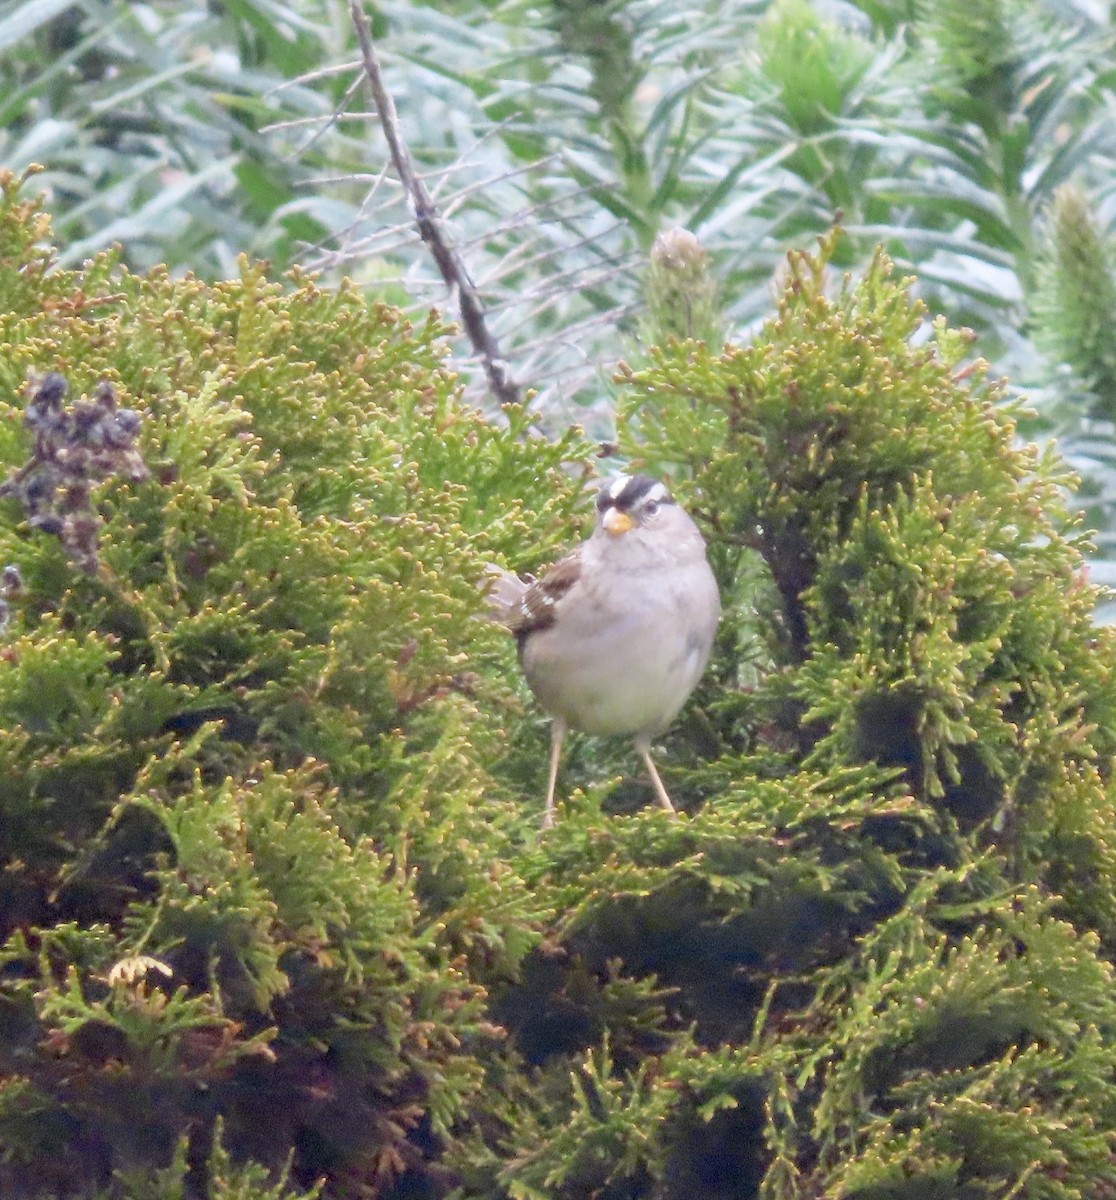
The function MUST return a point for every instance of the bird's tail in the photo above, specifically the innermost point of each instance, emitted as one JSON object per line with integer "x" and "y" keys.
{"x": 504, "y": 594}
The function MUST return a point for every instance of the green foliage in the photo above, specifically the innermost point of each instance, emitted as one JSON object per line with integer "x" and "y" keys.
{"x": 978, "y": 1058}
{"x": 229, "y": 745}
{"x": 812, "y": 62}
{"x": 561, "y": 140}
{"x": 975, "y": 48}
{"x": 148, "y": 118}
{"x": 225, "y": 1179}
{"x": 1074, "y": 311}
{"x": 1072, "y": 317}
{"x": 277, "y": 917}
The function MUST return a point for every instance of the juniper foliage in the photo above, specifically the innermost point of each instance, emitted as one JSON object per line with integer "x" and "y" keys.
{"x": 243, "y": 746}
{"x": 277, "y": 920}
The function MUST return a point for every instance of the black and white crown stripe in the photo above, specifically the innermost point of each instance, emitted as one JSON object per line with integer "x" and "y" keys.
{"x": 632, "y": 491}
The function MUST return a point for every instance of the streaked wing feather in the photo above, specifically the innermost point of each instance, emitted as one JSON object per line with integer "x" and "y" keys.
{"x": 536, "y": 609}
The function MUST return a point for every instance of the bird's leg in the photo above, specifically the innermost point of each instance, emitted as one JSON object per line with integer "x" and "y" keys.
{"x": 557, "y": 733}
{"x": 643, "y": 746}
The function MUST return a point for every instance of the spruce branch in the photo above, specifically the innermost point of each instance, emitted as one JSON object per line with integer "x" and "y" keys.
{"x": 429, "y": 226}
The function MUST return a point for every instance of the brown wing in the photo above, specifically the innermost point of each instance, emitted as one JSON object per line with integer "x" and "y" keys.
{"x": 535, "y": 610}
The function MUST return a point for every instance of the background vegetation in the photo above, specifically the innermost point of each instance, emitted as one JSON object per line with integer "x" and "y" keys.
{"x": 560, "y": 141}
{"x": 276, "y": 917}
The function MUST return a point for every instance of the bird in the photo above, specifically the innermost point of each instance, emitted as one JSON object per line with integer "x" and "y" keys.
{"x": 614, "y": 637}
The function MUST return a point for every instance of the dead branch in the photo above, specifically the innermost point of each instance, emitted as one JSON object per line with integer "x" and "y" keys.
{"x": 429, "y": 226}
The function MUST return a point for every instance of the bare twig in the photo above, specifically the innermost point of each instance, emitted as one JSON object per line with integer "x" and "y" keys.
{"x": 318, "y": 122}
{"x": 521, "y": 259}
{"x": 336, "y": 117}
{"x": 558, "y": 284}
{"x": 449, "y": 264}
{"x": 314, "y": 76}
{"x": 570, "y": 334}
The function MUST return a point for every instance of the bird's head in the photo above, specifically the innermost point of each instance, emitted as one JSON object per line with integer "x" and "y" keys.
{"x": 629, "y": 502}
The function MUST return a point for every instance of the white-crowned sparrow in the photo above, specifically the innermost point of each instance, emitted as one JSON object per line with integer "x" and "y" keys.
{"x": 614, "y": 637}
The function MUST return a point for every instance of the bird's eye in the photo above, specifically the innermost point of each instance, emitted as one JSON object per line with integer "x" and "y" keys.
{"x": 650, "y": 508}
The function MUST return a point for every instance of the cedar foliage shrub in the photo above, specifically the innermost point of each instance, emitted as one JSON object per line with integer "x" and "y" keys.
{"x": 243, "y": 745}
{"x": 277, "y": 918}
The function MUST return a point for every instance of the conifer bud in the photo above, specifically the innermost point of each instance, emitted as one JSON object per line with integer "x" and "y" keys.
{"x": 1075, "y": 311}
{"x": 681, "y": 291}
